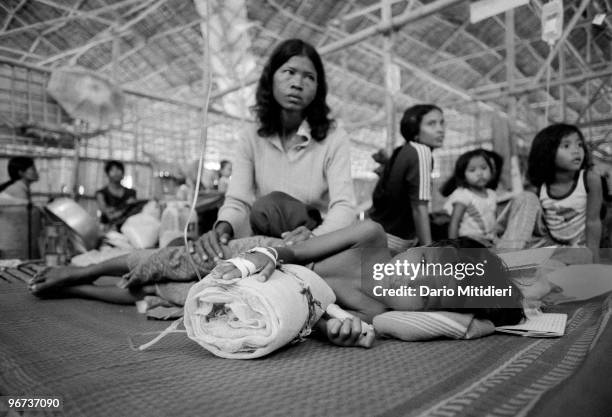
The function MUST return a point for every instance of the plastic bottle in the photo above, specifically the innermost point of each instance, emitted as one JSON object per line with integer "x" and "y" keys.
{"x": 56, "y": 248}
{"x": 51, "y": 240}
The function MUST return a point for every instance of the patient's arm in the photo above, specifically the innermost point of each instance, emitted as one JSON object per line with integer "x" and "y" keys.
{"x": 365, "y": 234}
{"x": 345, "y": 333}
{"x": 362, "y": 234}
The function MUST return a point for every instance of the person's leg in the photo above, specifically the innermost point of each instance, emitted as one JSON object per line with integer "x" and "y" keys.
{"x": 52, "y": 279}
{"x": 106, "y": 293}
{"x": 278, "y": 212}
{"x": 522, "y": 218}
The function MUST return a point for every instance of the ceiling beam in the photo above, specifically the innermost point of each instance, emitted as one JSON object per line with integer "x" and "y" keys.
{"x": 165, "y": 67}
{"x": 531, "y": 87}
{"x": 594, "y": 97}
{"x": 106, "y": 35}
{"x": 350, "y": 39}
{"x": 72, "y": 10}
{"x": 23, "y": 54}
{"x": 493, "y": 49}
{"x": 396, "y": 23}
{"x": 43, "y": 35}
{"x": 365, "y": 11}
{"x": 46, "y": 41}
{"x": 89, "y": 14}
{"x": 537, "y": 7}
{"x": 144, "y": 42}
{"x": 152, "y": 96}
{"x": 11, "y": 15}
{"x": 455, "y": 33}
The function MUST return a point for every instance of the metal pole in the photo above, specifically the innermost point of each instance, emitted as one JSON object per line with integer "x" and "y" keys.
{"x": 388, "y": 63}
{"x": 562, "y": 90}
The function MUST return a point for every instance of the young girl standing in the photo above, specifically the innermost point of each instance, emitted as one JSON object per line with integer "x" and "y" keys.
{"x": 569, "y": 191}
{"x": 472, "y": 200}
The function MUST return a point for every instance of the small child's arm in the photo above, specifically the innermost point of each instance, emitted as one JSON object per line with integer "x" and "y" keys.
{"x": 593, "y": 222}
{"x": 343, "y": 329}
{"x": 455, "y": 221}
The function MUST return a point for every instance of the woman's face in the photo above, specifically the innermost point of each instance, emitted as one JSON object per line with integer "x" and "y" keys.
{"x": 431, "y": 131}
{"x": 30, "y": 174}
{"x": 115, "y": 174}
{"x": 295, "y": 84}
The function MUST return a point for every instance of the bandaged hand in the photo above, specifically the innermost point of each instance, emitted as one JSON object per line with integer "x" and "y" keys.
{"x": 299, "y": 234}
{"x": 260, "y": 261}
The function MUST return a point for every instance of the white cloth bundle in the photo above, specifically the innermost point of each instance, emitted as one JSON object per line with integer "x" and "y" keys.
{"x": 246, "y": 318}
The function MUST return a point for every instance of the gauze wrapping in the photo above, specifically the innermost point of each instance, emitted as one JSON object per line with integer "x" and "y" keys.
{"x": 246, "y": 318}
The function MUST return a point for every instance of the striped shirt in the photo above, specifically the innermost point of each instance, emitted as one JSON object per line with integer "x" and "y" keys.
{"x": 406, "y": 180}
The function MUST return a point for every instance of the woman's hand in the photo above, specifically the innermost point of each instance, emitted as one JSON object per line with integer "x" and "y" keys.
{"x": 299, "y": 234}
{"x": 209, "y": 245}
{"x": 263, "y": 265}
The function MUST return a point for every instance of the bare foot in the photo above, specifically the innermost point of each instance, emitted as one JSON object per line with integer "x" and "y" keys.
{"x": 51, "y": 280}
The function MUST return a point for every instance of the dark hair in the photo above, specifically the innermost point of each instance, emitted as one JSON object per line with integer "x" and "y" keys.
{"x": 541, "y": 166}
{"x": 223, "y": 163}
{"x": 493, "y": 159}
{"x": 268, "y": 110}
{"x": 16, "y": 165}
{"x": 411, "y": 120}
{"x": 500, "y": 313}
{"x": 113, "y": 163}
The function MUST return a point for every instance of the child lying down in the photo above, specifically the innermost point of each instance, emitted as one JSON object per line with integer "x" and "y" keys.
{"x": 339, "y": 258}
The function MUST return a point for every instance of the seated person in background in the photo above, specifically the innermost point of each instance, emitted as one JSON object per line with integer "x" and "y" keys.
{"x": 400, "y": 202}
{"x": 565, "y": 209}
{"x": 215, "y": 180}
{"x": 114, "y": 199}
{"x": 22, "y": 173}
{"x": 225, "y": 172}
{"x": 472, "y": 201}
{"x": 381, "y": 158}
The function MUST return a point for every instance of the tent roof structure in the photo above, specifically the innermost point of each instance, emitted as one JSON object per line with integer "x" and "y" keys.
{"x": 499, "y": 64}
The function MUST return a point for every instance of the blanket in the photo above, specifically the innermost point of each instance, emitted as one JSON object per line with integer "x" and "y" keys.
{"x": 246, "y": 318}
{"x": 414, "y": 326}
